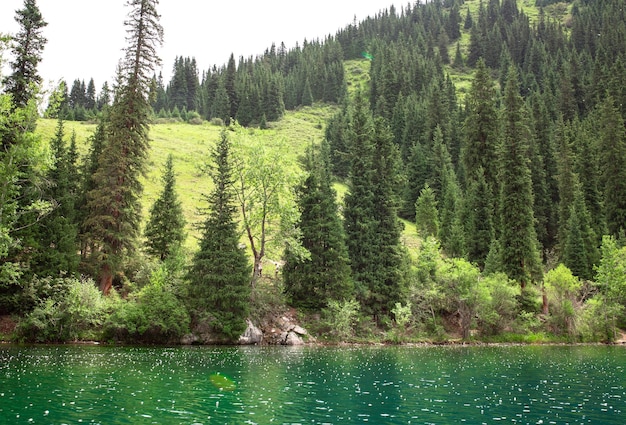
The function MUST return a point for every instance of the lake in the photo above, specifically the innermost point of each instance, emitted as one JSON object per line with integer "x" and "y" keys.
{"x": 312, "y": 385}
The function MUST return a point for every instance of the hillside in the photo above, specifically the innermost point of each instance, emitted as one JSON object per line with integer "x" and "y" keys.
{"x": 190, "y": 146}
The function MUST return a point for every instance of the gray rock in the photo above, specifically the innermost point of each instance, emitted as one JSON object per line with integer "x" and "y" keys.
{"x": 293, "y": 338}
{"x": 252, "y": 335}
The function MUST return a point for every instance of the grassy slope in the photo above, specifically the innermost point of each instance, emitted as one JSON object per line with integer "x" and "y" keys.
{"x": 190, "y": 145}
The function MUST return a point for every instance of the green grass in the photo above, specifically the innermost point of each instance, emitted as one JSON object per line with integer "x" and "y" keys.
{"x": 190, "y": 146}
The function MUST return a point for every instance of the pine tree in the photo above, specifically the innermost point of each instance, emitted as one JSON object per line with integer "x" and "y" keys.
{"x": 426, "y": 214}
{"x": 612, "y": 141}
{"x": 580, "y": 250}
{"x": 114, "y": 204}
{"x": 219, "y": 276}
{"x": 480, "y": 231}
{"x": 388, "y": 287}
{"x": 312, "y": 282}
{"x": 518, "y": 241}
{"x": 480, "y": 145}
{"x": 359, "y": 222}
{"x": 165, "y": 230}
{"x": 28, "y": 45}
{"x": 57, "y": 234}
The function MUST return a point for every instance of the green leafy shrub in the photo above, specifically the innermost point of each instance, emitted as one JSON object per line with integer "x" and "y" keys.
{"x": 154, "y": 314}
{"x": 73, "y": 308}
{"x": 341, "y": 316}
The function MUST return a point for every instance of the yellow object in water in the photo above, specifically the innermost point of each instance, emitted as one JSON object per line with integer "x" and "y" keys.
{"x": 222, "y": 382}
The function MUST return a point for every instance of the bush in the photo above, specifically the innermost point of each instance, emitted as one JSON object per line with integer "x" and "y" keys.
{"x": 73, "y": 309}
{"x": 341, "y": 316}
{"x": 155, "y": 314}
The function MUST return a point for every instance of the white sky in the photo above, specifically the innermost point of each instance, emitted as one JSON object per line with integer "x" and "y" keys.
{"x": 85, "y": 37}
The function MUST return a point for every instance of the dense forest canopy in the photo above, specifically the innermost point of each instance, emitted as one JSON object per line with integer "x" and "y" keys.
{"x": 497, "y": 127}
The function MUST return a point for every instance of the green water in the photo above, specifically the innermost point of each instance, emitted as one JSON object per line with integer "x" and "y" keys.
{"x": 312, "y": 385}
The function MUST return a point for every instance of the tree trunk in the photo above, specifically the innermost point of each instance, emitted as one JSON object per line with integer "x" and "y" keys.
{"x": 106, "y": 279}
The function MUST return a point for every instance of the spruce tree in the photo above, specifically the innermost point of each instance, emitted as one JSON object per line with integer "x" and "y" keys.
{"x": 359, "y": 219}
{"x": 165, "y": 230}
{"x": 518, "y": 241}
{"x": 480, "y": 145}
{"x": 28, "y": 45}
{"x": 480, "y": 231}
{"x": 114, "y": 204}
{"x": 325, "y": 275}
{"x": 388, "y": 286}
{"x": 580, "y": 250}
{"x": 612, "y": 141}
{"x": 219, "y": 277}
{"x": 426, "y": 214}
{"x": 57, "y": 234}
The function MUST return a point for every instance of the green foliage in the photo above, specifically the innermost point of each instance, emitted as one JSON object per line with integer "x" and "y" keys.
{"x": 72, "y": 310}
{"x": 219, "y": 275}
{"x": 518, "y": 241}
{"x": 28, "y": 45}
{"x": 165, "y": 230}
{"x": 155, "y": 314}
{"x": 562, "y": 288}
{"x": 324, "y": 274}
{"x": 341, "y": 317}
{"x": 426, "y": 214}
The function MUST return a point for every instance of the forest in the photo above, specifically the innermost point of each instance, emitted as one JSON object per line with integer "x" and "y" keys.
{"x": 468, "y": 183}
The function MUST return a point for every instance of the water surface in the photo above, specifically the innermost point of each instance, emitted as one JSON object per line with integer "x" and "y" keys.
{"x": 312, "y": 385}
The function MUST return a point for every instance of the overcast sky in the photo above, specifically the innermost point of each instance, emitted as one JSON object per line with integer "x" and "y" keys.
{"x": 85, "y": 37}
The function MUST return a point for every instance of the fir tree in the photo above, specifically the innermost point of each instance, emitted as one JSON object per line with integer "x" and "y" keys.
{"x": 359, "y": 220}
{"x": 480, "y": 231}
{"x": 28, "y": 45}
{"x": 580, "y": 251}
{"x": 518, "y": 241}
{"x": 312, "y": 282}
{"x": 165, "y": 230}
{"x": 57, "y": 233}
{"x": 388, "y": 287}
{"x": 114, "y": 204}
{"x": 612, "y": 141}
{"x": 219, "y": 276}
{"x": 426, "y": 214}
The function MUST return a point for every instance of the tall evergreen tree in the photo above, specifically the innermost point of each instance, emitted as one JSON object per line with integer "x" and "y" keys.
{"x": 165, "y": 230}
{"x": 612, "y": 140}
{"x": 388, "y": 286}
{"x": 426, "y": 214}
{"x": 325, "y": 275}
{"x": 359, "y": 219}
{"x": 480, "y": 145}
{"x": 219, "y": 276}
{"x": 580, "y": 250}
{"x": 57, "y": 234}
{"x": 518, "y": 241}
{"x": 114, "y": 204}
{"x": 28, "y": 45}
{"x": 480, "y": 232}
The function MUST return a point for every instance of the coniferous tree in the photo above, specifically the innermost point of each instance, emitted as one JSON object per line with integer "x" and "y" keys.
{"x": 426, "y": 214}
{"x": 480, "y": 145}
{"x": 114, "y": 205}
{"x": 388, "y": 286}
{"x": 612, "y": 140}
{"x": 165, "y": 230}
{"x": 312, "y": 282}
{"x": 480, "y": 231}
{"x": 518, "y": 241}
{"x": 57, "y": 233}
{"x": 219, "y": 276}
{"x": 580, "y": 250}
{"x": 28, "y": 45}
{"x": 359, "y": 219}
